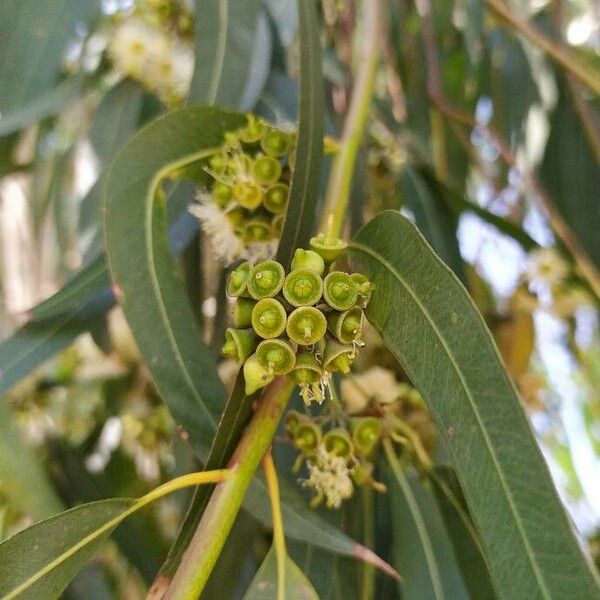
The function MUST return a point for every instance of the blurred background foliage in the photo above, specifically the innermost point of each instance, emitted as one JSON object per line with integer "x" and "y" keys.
{"x": 477, "y": 133}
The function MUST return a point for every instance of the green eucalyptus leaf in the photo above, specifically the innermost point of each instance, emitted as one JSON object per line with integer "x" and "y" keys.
{"x": 149, "y": 286}
{"x": 304, "y": 188}
{"x": 233, "y": 50}
{"x": 430, "y": 324}
{"x": 264, "y": 584}
{"x": 33, "y": 39}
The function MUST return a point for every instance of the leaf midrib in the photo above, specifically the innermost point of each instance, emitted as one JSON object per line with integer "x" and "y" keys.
{"x": 517, "y": 517}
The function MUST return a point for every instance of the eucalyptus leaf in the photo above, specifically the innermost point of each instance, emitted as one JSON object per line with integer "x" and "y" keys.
{"x": 430, "y": 324}
{"x": 304, "y": 188}
{"x": 264, "y": 584}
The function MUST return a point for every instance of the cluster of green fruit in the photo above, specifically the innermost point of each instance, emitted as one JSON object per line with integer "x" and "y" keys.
{"x": 251, "y": 179}
{"x": 336, "y": 460}
{"x": 305, "y": 324}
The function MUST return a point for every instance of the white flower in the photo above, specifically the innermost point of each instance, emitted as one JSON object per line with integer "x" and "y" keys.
{"x": 546, "y": 265}
{"x": 329, "y": 478}
{"x": 376, "y": 383}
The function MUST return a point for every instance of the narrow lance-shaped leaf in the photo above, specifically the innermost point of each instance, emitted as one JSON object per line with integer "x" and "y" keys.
{"x": 428, "y": 321}
{"x": 304, "y": 189}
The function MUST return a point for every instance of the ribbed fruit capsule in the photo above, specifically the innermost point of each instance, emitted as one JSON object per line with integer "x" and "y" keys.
{"x": 346, "y": 326}
{"x": 366, "y": 432}
{"x": 247, "y": 194}
{"x": 255, "y": 129}
{"x": 365, "y": 288}
{"x": 257, "y": 228}
{"x": 237, "y": 280}
{"x": 308, "y": 259}
{"x": 277, "y": 356}
{"x": 255, "y": 375}
{"x": 269, "y": 318}
{"x": 340, "y": 291}
{"x": 338, "y": 442}
{"x": 266, "y": 279}
{"x": 338, "y": 357}
{"x": 306, "y": 325}
{"x": 306, "y": 369}
{"x": 307, "y": 437}
{"x": 276, "y": 142}
{"x": 266, "y": 170}
{"x": 239, "y": 344}
{"x": 221, "y": 193}
{"x": 242, "y": 312}
{"x": 327, "y": 248}
{"x": 276, "y": 198}
{"x": 303, "y": 287}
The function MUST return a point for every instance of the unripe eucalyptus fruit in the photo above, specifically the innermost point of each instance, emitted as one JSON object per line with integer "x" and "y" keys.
{"x": 338, "y": 357}
{"x": 308, "y": 259}
{"x": 307, "y": 369}
{"x": 255, "y": 129}
{"x": 327, "y": 248}
{"x": 303, "y": 287}
{"x": 276, "y": 198}
{"x": 277, "y": 143}
{"x": 221, "y": 193}
{"x": 266, "y": 170}
{"x": 269, "y": 318}
{"x": 255, "y": 375}
{"x": 258, "y": 228}
{"x": 238, "y": 279}
{"x": 265, "y": 279}
{"x": 242, "y": 312}
{"x": 239, "y": 344}
{"x": 277, "y": 356}
{"x": 338, "y": 442}
{"x": 366, "y": 433}
{"x": 340, "y": 290}
{"x": 346, "y": 326}
{"x": 306, "y": 325}
{"x": 307, "y": 436}
{"x": 247, "y": 194}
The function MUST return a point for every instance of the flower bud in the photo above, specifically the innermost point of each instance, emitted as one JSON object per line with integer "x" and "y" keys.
{"x": 276, "y": 198}
{"x": 266, "y": 170}
{"x": 265, "y": 279}
{"x": 303, "y": 287}
{"x": 365, "y": 288}
{"x": 340, "y": 291}
{"x": 306, "y": 325}
{"x": 242, "y": 312}
{"x": 328, "y": 249}
{"x": 239, "y": 344}
{"x": 268, "y": 318}
{"x": 255, "y": 129}
{"x": 247, "y": 194}
{"x": 308, "y": 259}
{"x": 277, "y": 356}
{"x": 346, "y": 326}
{"x": 221, "y": 193}
{"x": 255, "y": 375}
{"x": 238, "y": 279}
{"x": 307, "y": 436}
{"x": 366, "y": 432}
{"x": 276, "y": 142}
{"x": 338, "y": 442}
{"x": 338, "y": 357}
{"x": 306, "y": 369}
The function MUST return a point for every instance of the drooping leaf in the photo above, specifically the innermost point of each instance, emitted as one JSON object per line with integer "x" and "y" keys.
{"x": 304, "y": 188}
{"x": 264, "y": 584}
{"x": 421, "y": 548}
{"x": 33, "y": 39}
{"x": 233, "y": 50}
{"x": 430, "y": 324}
{"x": 463, "y": 535}
{"x": 149, "y": 286}
{"x": 571, "y": 174}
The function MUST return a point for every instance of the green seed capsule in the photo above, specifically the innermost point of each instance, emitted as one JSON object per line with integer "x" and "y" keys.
{"x": 307, "y": 437}
{"x": 258, "y": 228}
{"x": 338, "y": 442}
{"x": 239, "y": 344}
{"x": 308, "y": 259}
{"x": 266, "y": 170}
{"x": 247, "y": 194}
{"x": 242, "y": 312}
{"x": 365, "y": 288}
{"x": 221, "y": 194}
{"x": 266, "y": 279}
{"x": 307, "y": 369}
{"x": 328, "y": 249}
{"x": 269, "y": 318}
{"x": 366, "y": 433}
{"x": 338, "y": 357}
{"x": 255, "y": 129}
{"x": 303, "y": 287}
{"x": 276, "y": 197}
{"x": 306, "y": 325}
{"x": 237, "y": 280}
{"x": 346, "y": 326}
{"x": 340, "y": 291}
{"x": 277, "y": 356}
{"x": 255, "y": 375}
{"x": 277, "y": 143}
